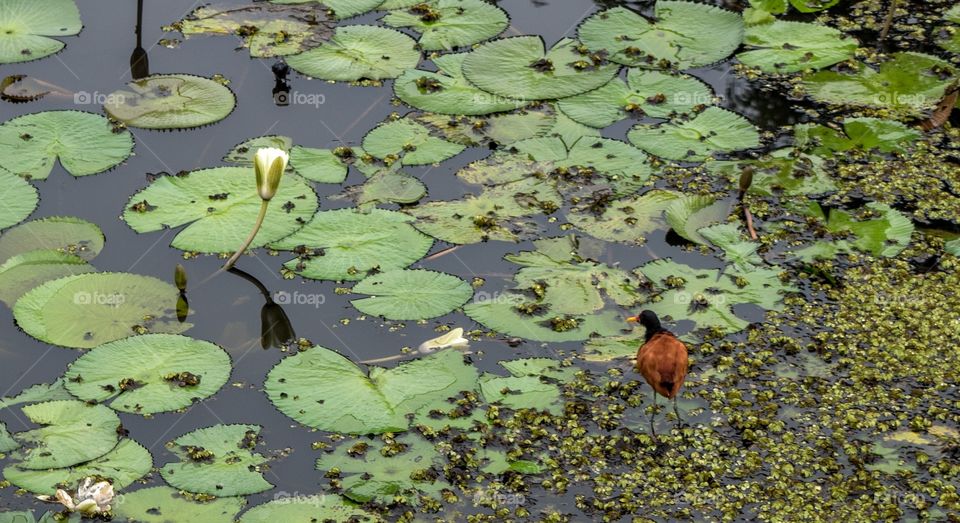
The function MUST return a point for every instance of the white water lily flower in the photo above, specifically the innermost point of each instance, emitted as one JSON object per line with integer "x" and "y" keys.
{"x": 454, "y": 338}
{"x": 269, "y": 163}
{"x": 92, "y": 498}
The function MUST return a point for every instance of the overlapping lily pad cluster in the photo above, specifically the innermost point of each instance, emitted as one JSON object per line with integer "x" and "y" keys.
{"x": 818, "y": 294}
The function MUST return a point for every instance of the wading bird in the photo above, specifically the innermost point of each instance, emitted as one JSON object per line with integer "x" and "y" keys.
{"x": 662, "y": 360}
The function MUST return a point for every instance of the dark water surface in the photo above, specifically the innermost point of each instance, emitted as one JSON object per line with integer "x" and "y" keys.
{"x": 227, "y": 308}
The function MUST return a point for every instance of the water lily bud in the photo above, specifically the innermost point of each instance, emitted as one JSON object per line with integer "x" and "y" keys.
{"x": 269, "y": 164}
{"x": 180, "y": 278}
{"x": 746, "y": 179}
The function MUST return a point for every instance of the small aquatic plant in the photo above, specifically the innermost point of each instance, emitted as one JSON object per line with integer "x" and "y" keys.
{"x": 268, "y": 164}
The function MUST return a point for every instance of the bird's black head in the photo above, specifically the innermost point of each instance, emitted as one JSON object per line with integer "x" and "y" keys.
{"x": 649, "y": 320}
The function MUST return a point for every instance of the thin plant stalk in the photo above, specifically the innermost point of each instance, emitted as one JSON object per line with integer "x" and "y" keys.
{"x": 891, "y": 12}
{"x": 256, "y": 228}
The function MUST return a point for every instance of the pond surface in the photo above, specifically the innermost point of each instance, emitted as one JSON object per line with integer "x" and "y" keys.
{"x": 793, "y": 355}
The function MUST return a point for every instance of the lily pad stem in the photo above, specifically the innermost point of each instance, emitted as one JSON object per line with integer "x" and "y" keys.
{"x": 249, "y": 240}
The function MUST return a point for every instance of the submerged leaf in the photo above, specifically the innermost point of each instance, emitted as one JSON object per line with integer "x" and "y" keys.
{"x": 171, "y": 101}
{"x": 324, "y": 390}
{"x": 85, "y": 144}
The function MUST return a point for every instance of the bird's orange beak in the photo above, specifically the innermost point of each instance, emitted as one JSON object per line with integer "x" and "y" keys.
{"x": 633, "y": 319}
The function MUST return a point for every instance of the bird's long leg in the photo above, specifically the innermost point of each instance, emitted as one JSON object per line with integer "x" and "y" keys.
{"x": 676, "y": 410}
{"x": 653, "y": 413}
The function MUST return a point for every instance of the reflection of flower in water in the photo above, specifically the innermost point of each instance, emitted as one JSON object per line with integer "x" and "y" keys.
{"x": 91, "y": 499}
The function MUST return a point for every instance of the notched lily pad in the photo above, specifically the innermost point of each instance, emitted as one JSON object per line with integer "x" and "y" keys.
{"x": 165, "y": 504}
{"x": 71, "y": 432}
{"x": 29, "y": 24}
{"x": 416, "y": 294}
{"x": 446, "y": 24}
{"x": 171, "y": 101}
{"x": 123, "y": 465}
{"x": 218, "y": 461}
{"x": 712, "y": 131}
{"x": 359, "y": 52}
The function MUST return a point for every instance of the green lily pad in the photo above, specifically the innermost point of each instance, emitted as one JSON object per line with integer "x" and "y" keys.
{"x": 123, "y": 465}
{"x": 687, "y": 215}
{"x": 23, "y": 272}
{"x": 71, "y": 432}
{"x": 171, "y": 101}
{"x": 568, "y": 130}
{"x": 500, "y": 129}
{"x": 447, "y": 91}
{"x": 531, "y": 385}
{"x": 887, "y": 234}
{"x": 613, "y": 347}
{"x": 359, "y": 52}
{"x": 267, "y": 29}
{"x": 38, "y": 393}
{"x": 218, "y": 461}
{"x": 307, "y": 509}
{"x": 446, "y": 24}
{"x": 87, "y": 310}
{"x": 324, "y": 390}
{"x": 355, "y": 243}
{"x": 909, "y": 84}
{"x": 789, "y": 47}
{"x": 498, "y": 213}
{"x": 318, "y": 165}
{"x": 707, "y": 297}
{"x": 683, "y": 35}
{"x": 150, "y": 373}
{"x": 220, "y": 205}
{"x": 812, "y": 6}
{"x": 534, "y": 72}
{"x": 244, "y": 152}
{"x": 341, "y": 8}
{"x": 570, "y": 282}
{"x": 385, "y": 187}
{"x": 502, "y": 315}
{"x": 644, "y": 93}
{"x": 782, "y": 171}
{"x": 628, "y": 220}
{"x": 416, "y": 294}
{"x": 409, "y": 140}
{"x": 64, "y": 234}
{"x": 715, "y": 130}
{"x": 7, "y": 443}
{"x": 406, "y": 467}
{"x": 27, "y": 26}
{"x": 865, "y": 134}
{"x": 165, "y": 504}
{"x": 85, "y": 144}
{"x": 952, "y": 247}
{"x": 728, "y": 237}
{"x": 19, "y": 199}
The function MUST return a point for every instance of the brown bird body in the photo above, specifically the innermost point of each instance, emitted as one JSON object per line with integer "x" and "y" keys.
{"x": 662, "y": 360}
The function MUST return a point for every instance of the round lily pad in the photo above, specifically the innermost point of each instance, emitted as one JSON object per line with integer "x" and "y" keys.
{"x": 445, "y": 24}
{"x": 410, "y": 140}
{"x": 23, "y": 272}
{"x": 715, "y": 130}
{"x": 355, "y": 243}
{"x": 324, "y": 390}
{"x": 165, "y": 504}
{"x": 150, "y": 373}
{"x": 244, "y": 152}
{"x": 788, "y": 47}
{"x": 218, "y": 461}
{"x": 645, "y": 93}
{"x": 318, "y": 165}
{"x": 521, "y": 67}
{"x": 70, "y": 432}
{"x": 64, "y": 234}
{"x": 505, "y": 128}
{"x": 682, "y": 35}
{"x": 123, "y": 465}
{"x": 171, "y": 101}
{"x": 220, "y": 205}
{"x": 628, "y": 220}
{"x": 447, "y": 91}
{"x": 359, "y": 52}
{"x": 502, "y": 315}
{"x": 411, "y": 294}
{"x": 19, "y": 199}
{"x": 27, "y": 25}
{"x": 85, "y": 143}
{"x": 87, "y": 310}
{"x": 307, "y": 509}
